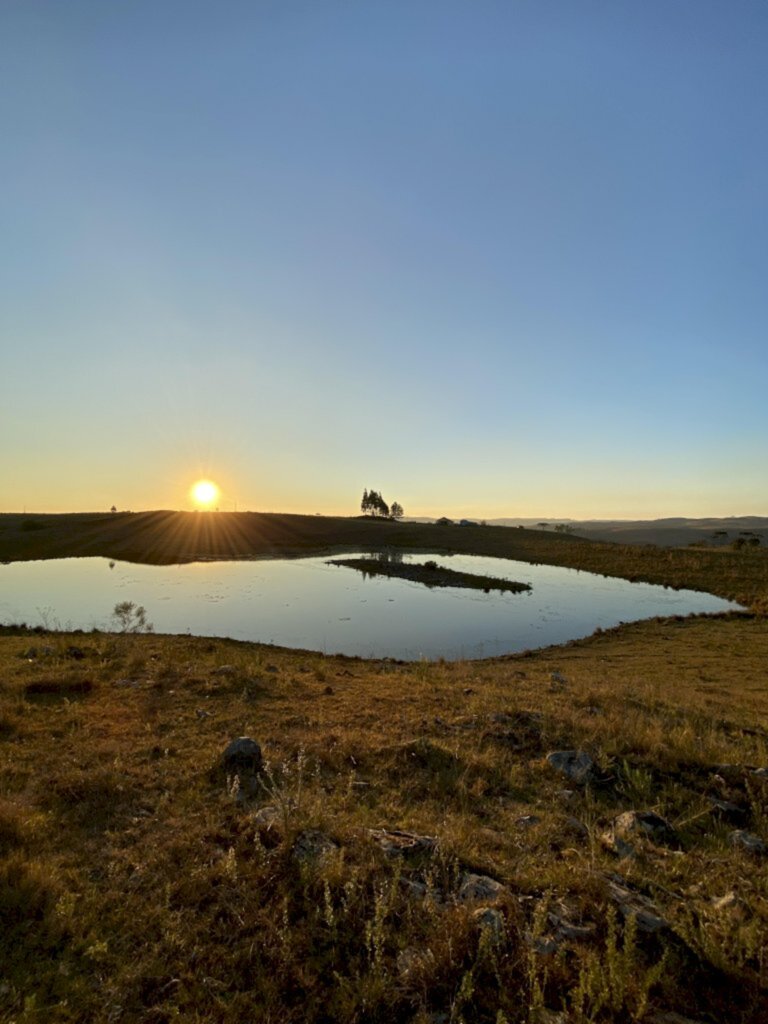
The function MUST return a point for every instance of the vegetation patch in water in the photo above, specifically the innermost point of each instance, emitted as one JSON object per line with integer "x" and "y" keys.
{"x": 430, "y": 574}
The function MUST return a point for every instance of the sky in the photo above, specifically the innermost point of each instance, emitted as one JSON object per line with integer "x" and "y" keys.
{"x": 488, "y": 258}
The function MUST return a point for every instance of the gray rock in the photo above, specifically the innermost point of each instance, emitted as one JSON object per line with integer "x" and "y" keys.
{"x": 397, "y": 843}
{"x": 564, "y": 928}
{"x": 225, "y": 670}
{"x": 527, "y": 821}
{"x": 312, "y": 845}
{"x": 480, "y": 887}
{"x": 617, "y": 845}
{"x": 646, "y": 825}
{"x": 634, "y": 904}
{"x": 243, "y": 755}
{"x": 575, "y": 765}
{"x": 544, "y": 945}
{"x": 491, "y": 920}
{"x": 575, "y": 828}
{"x": 747, "y": 841}
{"x": 266, "y": 818}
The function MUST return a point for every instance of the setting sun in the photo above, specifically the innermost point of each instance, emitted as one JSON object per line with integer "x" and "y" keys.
{"x": 205, "y": 493}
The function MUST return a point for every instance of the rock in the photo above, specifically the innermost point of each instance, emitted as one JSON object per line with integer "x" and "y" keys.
{"x": 527, "y": 821}
{"x": 396, "y": 843}
{"x": 266, "y": 818}
{"x": 575, "y": 765}
{"x": 565, "y": 928}
{"x": 747, "y": 841}
{"x": 416, "y": 889}
{"x": 575, "y": 828}
{"x": 480, "y": 887}
{"x": 646, "y": 825}
{"x": 634, "y": 904}
{"x": 544, "y": 945}
{"x": 566, "y": 796}
{"x": 727, "y": 809}
{"x": 328, "y": 691}
{"x": 312, "y": 845}
{"x": 242, "y": 755}
{"x": 75, "y": 652}
{"x": 760, "y": 773}
{"x": 271, "y": 668}
{"x": 617, "y": 845}
{"x": 225, "y": 670}
{"x": 491, "y": 921}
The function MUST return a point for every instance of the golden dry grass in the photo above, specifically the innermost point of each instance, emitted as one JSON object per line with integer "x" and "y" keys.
{"x": 136, "y": 883}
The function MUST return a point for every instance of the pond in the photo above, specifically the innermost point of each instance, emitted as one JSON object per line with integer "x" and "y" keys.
{"x": 311, "y": 604}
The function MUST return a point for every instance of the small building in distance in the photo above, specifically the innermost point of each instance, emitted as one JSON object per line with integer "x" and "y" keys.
{"x": 444, "y": 521}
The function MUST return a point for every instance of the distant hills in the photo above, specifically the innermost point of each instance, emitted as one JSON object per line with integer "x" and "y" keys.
{"x": 671, "y": 532}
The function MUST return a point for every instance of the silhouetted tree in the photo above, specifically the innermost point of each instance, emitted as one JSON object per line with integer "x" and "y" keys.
{"x": 396, "y": 510}
{"x": 373, "y": 504}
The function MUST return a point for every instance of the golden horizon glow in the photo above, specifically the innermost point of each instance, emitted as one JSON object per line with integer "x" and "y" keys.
{"x": 205, "y": 493}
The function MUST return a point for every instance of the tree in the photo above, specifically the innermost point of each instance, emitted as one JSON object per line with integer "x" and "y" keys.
{"x": 396, "y": 510}
{"x": 373, "y": 504}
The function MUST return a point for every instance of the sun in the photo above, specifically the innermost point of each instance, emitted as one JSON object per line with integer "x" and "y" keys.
{"x": 205, "y": 493}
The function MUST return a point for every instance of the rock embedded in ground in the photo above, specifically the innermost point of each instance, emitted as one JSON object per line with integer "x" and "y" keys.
{"x": 747, "y": 841}
{"x": 225, "y": 670}
{"x": 312, "y": 845}
{"x": 634, "y": 904}
{"x": 480, "y": 887}
{"x": 575, "y": 765}
{"x": 575, "y": 828}
{"x": 491, "y": 921}
{"x": 397, "y": 843}
{"x": 646, "y": 825}
{"x": 242, "y": 755}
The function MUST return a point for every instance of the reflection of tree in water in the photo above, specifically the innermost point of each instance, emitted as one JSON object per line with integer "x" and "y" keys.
{"x": 430, "y": 574}
{"x": 387, "y": 556}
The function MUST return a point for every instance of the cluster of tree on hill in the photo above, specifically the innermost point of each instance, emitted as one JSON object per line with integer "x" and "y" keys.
{"x": 374, "y": 505}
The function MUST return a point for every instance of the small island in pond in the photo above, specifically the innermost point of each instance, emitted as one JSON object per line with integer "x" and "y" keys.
{"x": 430, "y": 574}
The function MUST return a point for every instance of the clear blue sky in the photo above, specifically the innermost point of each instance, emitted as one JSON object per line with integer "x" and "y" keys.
{"x": 487, "y": 258}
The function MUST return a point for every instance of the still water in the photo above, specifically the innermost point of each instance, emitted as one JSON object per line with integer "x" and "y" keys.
{"x": 306, "y": 603}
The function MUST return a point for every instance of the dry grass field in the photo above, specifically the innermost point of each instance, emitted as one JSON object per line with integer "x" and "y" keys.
{"x": 406, "y": 851}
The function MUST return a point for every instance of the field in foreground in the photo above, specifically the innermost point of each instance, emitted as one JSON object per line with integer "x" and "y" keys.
{"x": 406, "y": 852}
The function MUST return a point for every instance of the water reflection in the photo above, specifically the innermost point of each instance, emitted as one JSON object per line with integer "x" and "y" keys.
{"x": 305, "y": 603}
